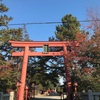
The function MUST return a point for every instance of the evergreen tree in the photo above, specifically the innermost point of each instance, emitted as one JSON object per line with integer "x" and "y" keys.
{"x": 8, "y": 74}
{"x": 40, "y": 72}
{"x": 68, "y": 29}
{"x": 7, "y": 34}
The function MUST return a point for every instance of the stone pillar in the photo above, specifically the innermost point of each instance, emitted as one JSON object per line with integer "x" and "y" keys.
{"x": 11, "y": 96}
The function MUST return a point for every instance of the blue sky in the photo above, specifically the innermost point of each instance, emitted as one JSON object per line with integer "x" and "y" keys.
{"x": 27, "y": 11}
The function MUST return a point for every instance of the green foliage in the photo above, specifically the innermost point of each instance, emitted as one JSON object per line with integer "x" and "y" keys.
{"x": 88, "y": 53}
{"x": 10, "y": 34}
{"x": 87, "y": 82}
{"x": 8, "y": 77}
{"x": 4, "y": 20}
{"x": 49, "y": 84}
{"x": 3, "y": 8}
{"x": 7, "y": 34}
{"x": 8, "y": 80}
{"x": 41, "y": 73}
{"x": 68, "y": 29}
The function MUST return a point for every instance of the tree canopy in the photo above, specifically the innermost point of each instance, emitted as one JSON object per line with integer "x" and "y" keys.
{"x": 69, "y": 28}
{"x": 7, "y": 68}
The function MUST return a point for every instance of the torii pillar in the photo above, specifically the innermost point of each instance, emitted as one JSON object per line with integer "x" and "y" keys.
{"x": 27, "y": 53}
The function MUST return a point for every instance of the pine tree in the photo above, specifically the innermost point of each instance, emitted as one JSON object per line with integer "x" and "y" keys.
{"x": 8, "y": 76}
{"x": 6, "y": 34}
{"x": 68, "y": 29}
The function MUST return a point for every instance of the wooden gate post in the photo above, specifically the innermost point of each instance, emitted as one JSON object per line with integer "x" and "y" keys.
{"x": 67, "y": 71}
{"x": 23, "y": 74}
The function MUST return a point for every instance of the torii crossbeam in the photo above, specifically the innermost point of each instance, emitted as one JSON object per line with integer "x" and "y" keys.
{"x": 26, "y": 52}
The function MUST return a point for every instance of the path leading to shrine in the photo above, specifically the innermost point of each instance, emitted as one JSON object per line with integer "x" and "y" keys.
{"x": 43, "y": 97}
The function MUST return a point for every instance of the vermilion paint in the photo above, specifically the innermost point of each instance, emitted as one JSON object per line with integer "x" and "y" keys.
{"x": 27, "y": 53}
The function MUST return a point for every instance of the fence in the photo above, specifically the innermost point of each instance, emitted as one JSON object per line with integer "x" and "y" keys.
{"x": 7, "y": 96}
{"x": 91, "y": 95}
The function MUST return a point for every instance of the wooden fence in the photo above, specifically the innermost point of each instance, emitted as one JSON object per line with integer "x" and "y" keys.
{"x": 7, "y": 96}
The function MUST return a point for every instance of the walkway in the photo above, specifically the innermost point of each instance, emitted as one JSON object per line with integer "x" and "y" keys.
{"x": 42, "y": 97}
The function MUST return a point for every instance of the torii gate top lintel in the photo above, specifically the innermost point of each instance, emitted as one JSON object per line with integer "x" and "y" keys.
{"x": 41, "y": 43}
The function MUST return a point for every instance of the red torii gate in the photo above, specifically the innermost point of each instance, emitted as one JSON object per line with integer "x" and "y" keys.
{"x": 39, "y": 44}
